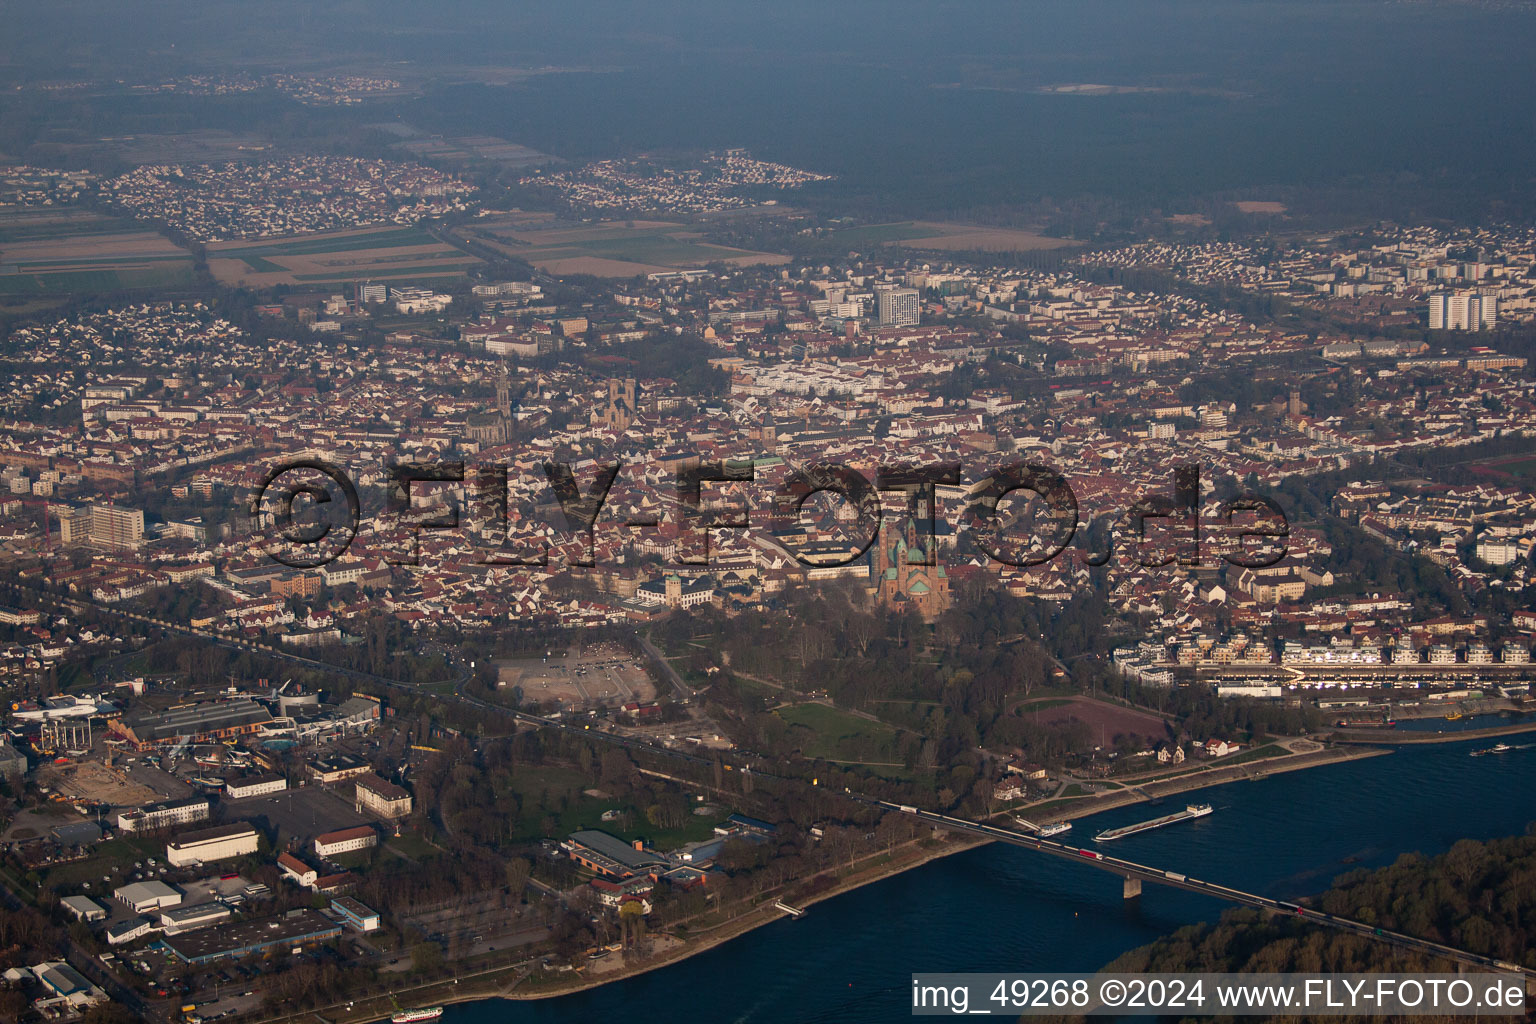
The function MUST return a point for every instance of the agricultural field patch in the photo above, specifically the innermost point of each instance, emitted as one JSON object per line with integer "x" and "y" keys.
{"x": 608, "y": 249}
{"x": 924, "y": 234}
{"x": 384, "y": 254}
{"x": 70, "y": 251}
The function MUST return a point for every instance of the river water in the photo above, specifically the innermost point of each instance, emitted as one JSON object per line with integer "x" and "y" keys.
{"x": 1002, "y": 908}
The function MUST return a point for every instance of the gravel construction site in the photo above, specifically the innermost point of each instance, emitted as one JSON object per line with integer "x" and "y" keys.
{"x": 95, "y": 783}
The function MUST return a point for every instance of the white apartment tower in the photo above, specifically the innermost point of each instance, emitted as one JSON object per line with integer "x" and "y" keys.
{"x": 1462, "y": 311}
{"x": 897, "y": 307}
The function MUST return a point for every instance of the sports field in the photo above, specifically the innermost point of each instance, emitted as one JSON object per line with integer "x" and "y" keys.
{"x": 606, "y": 249}
{"x": 59, "y": 251}
{"x": 339, "y": 257}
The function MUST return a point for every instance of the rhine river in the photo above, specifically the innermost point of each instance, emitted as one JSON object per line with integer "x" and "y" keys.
{"x": 1001, "y": 908}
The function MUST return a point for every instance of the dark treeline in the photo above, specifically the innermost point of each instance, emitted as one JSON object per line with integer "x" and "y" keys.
{"x": 1479, "y": 897}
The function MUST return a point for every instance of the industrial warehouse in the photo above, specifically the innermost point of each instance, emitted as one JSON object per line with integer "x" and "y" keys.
{"x": 201, "y": 723}
{"x": 296, "y": 929}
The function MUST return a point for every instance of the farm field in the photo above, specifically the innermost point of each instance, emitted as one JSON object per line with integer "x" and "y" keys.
{"x": 1259, "y": 206}
{"x": 386, "y": 254}
{"x": 61, "y": 251}
{"x": 923, "y": 234}
{"x": 607, "y": 249}
{"x": 197, "y": 146}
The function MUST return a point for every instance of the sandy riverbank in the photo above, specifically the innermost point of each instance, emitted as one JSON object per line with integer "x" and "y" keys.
{"x": 1405, "y": 737}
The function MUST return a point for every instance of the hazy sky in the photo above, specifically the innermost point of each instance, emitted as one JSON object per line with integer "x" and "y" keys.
{"x": 939, "y": 99}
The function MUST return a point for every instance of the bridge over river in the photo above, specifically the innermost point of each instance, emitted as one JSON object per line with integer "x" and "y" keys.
{"x": 1135, "y": 875}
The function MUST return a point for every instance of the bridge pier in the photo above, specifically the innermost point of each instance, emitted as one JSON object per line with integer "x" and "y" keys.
{"x": 1132, "y": 887}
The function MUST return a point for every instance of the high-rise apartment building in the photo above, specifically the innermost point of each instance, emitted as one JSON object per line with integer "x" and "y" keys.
{"x": 1462, "y": 311}
{"x": 897, "y": 307}
{"x": 74, "y": 524}
{"x": 117, "y": 528}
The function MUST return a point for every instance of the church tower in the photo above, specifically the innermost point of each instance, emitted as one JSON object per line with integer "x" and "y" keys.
{"x": 504, "y": 393}
{"x": 494, "y": 427}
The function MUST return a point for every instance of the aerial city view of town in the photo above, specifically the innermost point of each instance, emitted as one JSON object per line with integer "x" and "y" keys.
{"x": 712, "y": 520}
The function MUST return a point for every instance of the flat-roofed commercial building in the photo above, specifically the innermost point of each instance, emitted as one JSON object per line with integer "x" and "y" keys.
{"x": 200, "y": 915}
{"x": 142, "y": 897}
{"x": 127, "y": 931}
{"x": 66, "y": 987}
{"x": 611, "y": 856}
{"x": 294, "y": 930}
{"x": 346, "y": 840}
{"x": 237, "y": 839}
{"x": 202, "y": 723}
{"x": 355, "y": 913}
{"x": 84, "y": 908}
{"x": 382, "y": 797}
{"x": 336, "y": 768}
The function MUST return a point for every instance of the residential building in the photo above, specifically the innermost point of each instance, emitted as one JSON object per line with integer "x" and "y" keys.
{"x": 897, "y": 307}
{"x": 157, "y": 816}
{"x": 13, "y": 763}
{"x": 297, "y": 870}
{"x": 381, "y": 797}
{"x": 116, "y": 528}
{"x": 1498, "y": 552}
{"x": 346, "y": 840}
{"x": 254, "y": 785}
{"x": 1462, "y": 311}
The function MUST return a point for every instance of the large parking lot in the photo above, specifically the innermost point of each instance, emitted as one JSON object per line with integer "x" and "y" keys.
{"x": 301, "y": 812}
{"x": 597, "y": 674}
